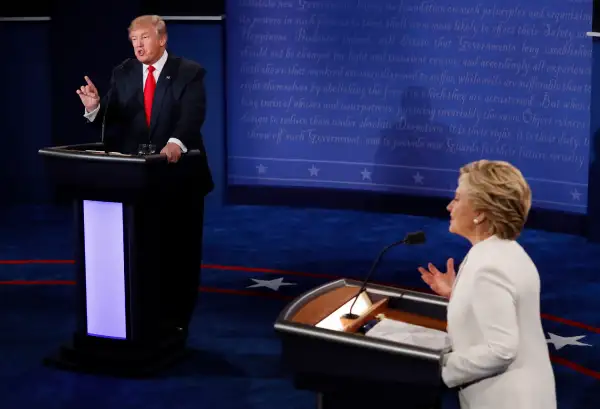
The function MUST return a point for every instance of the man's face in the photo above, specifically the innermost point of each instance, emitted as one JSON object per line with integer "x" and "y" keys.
{"x": 148, "y": 46}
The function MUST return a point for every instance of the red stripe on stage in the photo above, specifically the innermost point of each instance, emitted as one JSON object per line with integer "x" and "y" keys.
{"x": 571, "y": 323}
{"x": 201, "y": 289}
{"x": 269, "y": 271}
{"x": 558, "y": 360}
{"x": 37, "y": 261}
{"x": 293, "y": 273}
{"x": 300, "y": 274}
{"x": 38, "y": 282}
{"x": 576, "y": 367}
{"x": 335, "y": 277}
{"x": 246, "y": 293}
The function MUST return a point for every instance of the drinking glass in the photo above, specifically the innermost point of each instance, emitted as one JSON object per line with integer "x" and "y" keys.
{"x": 146, "y": 149}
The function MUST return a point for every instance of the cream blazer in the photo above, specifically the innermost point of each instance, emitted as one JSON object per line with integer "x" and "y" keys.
{"x": 499, "y": 357}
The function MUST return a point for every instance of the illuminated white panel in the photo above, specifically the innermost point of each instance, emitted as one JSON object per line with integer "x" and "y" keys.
{"x": 334, "y": 322}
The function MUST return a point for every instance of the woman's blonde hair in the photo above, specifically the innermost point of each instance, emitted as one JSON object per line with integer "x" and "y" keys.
{"x": 501, "y": 193}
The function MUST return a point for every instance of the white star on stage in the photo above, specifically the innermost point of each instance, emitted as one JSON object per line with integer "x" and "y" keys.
{"x": 560, "y": 342}
{"x": 272, "y": 284}
{"x": 418, "y": 178}
{"x": 575, "y": 194}
{"x": 366, "y": 175}
{"x": 314, "y": 171}
{"x": 261, "y": 169}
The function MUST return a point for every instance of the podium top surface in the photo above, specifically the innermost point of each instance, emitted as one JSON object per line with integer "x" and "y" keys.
{"x": 95, "y": 152}
{"x": 87, "y": 172}
{"x": 314, "y": 305}
{"x": 319, "y": 314}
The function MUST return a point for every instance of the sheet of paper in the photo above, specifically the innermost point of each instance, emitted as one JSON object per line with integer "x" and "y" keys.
{"x": 110, "y": 153}
{"x": 402, "y": 332}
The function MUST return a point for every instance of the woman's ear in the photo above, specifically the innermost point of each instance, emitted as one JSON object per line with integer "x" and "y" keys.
{"x": 480, "y": 218}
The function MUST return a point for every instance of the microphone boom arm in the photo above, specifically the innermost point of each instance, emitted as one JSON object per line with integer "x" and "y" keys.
{"x": 411, "y": 238}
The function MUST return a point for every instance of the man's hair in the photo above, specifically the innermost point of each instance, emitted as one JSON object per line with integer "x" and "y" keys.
{"x": 498, "y": 190}
{"x": 150, "y": 20}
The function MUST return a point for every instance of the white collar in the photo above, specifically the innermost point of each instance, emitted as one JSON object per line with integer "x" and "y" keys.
{"x": 158, "y": 65}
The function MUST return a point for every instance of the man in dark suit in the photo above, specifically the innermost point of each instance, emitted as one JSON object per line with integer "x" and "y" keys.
{"x": 158, "y": 99}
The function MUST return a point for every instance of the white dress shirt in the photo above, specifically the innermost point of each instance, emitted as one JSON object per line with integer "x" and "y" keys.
{"x": 158, "y": 67}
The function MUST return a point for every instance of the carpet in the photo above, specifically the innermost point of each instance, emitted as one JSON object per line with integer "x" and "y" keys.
{"x": 257, "y": 259}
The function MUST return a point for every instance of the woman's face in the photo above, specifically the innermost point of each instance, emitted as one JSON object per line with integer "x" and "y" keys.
{"x": 462, "y": 214}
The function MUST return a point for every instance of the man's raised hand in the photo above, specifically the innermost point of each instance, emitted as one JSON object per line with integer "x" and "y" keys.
{"x": 89, "y": 95}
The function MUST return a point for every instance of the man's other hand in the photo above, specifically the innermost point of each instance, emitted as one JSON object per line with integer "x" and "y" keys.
{"x": 172, "y": 151}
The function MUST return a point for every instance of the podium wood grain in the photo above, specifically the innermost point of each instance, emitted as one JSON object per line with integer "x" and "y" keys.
{"x": 325, "y": 304}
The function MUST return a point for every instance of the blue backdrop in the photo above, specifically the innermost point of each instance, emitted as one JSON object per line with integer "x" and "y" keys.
{"x": 203, "y": 43}
{"x": 395, "y": 96}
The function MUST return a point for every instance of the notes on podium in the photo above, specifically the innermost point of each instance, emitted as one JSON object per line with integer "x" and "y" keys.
{"x": 105, "y": 153}
{"x": 410, "y": 334}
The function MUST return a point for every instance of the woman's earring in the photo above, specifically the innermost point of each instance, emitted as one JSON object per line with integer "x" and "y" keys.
{"x": 475, "y": 221}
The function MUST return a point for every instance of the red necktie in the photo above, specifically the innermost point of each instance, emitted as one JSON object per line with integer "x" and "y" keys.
{"x": 149, "y": 93}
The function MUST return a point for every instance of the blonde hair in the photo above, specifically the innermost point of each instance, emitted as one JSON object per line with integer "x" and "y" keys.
{"x": 499, "y": 190}
{"x": 150, "y": 20}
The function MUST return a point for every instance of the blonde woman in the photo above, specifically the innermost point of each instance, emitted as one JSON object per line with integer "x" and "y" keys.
{"x": 499, "y": 357}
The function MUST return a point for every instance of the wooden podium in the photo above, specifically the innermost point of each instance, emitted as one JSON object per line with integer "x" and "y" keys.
{"x": 326, "y": 354}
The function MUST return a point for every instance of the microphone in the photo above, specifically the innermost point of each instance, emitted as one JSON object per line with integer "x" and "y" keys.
{"x": 108, "y": 98}
{"x": 109, "y": 95}
{"x": 410, "y": 239}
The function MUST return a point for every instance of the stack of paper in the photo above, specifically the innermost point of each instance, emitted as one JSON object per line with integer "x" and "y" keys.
{"x": 415, "y": 335}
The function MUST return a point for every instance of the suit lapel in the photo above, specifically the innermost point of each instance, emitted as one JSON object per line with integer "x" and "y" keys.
{"x": 459, "y": 273}
{"x": 137, "y": 78}
{"x": 164, "y": 82}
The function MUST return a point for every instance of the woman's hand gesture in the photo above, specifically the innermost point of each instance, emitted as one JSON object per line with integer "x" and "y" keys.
{"x": 440, "y": 283}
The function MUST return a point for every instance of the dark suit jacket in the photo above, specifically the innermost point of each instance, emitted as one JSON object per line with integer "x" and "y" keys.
{"x": 178, "y": 109}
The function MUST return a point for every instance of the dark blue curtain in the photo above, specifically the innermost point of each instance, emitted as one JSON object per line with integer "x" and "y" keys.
{"x": 86, "y": 38}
